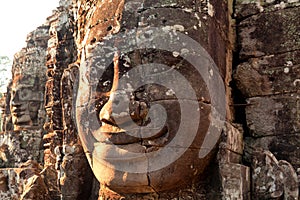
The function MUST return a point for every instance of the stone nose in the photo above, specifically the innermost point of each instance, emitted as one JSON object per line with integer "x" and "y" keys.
{"x": 118, "y": 110}
{"x": 15, "y": 101}
{"x": 105, "y": 114}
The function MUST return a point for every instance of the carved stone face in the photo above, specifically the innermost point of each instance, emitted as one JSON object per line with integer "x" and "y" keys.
{"x": 131, "y": 145}
{"x": 26, "y": 100}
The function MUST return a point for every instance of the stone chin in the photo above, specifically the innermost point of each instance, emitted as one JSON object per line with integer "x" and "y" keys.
{"x": 178, "y": 174}
{"x": 22, "y": 120}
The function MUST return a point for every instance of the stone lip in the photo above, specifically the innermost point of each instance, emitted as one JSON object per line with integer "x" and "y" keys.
{"x": 123, "y": 137}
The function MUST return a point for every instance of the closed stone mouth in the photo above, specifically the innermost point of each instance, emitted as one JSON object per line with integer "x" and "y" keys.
{"x": 19, "y": 113}
{"x": 123, "y": 138}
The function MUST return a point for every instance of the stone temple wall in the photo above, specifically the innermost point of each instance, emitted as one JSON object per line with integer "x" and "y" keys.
{"x": 267, "y": 72}
{"x": 256, "y": 46}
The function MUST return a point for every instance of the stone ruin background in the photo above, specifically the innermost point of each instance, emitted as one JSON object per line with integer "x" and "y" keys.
{"x": 255, "y": 44}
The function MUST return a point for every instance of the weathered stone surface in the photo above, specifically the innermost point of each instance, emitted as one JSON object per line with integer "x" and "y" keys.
{"x": 2, "y": 112}
{"x": 235, "y": 179}
{"x": 23, "y": 183}
{"x": 245, "y": 9}
{"x": 284, "y": 147}
{"x": 273, "y": 179}
{"x": 231, "y": 145}
{"x": 255, "y": 80}
{"x": 273, "y": 74}
{"x": 35, "y": 188}
{"x": 189, "y": 4}
{"x": 277, "y": 115}
{"x": 67, "y": 172}
{"x": 267, "y": 76}
{"x": 20, "y": 146}
{"x": 270, "y": 33}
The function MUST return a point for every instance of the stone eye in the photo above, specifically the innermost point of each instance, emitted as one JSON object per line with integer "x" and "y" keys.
{"x": 106, "y": 80}
{"x": 25, "y": 94}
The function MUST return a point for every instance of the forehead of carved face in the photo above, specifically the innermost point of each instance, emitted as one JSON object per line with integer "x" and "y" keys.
{"x": 143, "y": 119}
{"x": 26, "y": 98}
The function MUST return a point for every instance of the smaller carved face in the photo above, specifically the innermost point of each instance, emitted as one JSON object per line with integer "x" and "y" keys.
{"x": 25, "y": 103}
